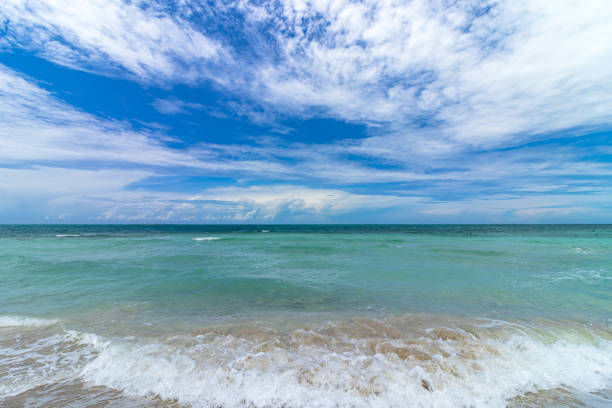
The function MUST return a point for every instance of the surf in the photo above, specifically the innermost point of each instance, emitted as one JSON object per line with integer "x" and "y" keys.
{"x": 428, "y": 360}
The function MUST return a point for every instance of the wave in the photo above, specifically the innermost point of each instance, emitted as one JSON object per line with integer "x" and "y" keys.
{"x": 206, "y": 239}
{"x": 24, "y": 321}
{"x": 578, "y": 275}
{"x": 362, "y": 362}
{"x": 36, "y": 358}
{"x": 579, "y": 251}
{"x": 67, "y": 235}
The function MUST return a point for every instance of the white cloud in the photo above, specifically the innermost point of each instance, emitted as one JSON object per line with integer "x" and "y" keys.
{"x": 173, "y": 106}
{"x": 38, "y": 128}
{"x": 518, "y": 71}
{"x": 107, "y": 34}
{"x": 112, "y": 196}
{"x": 268, "y": 201}
{"x": 523, "y": 208}
{"x": 483, "y": 73}
{"x": 41, "y": 193}
{"x": 103, "y": 195}
{"x": 550, "y": 211}
{"x": 274, "y": 203}
{"x": 54, "y": 181}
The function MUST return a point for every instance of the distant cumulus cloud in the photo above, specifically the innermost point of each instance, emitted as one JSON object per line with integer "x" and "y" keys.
{"x": 252, "y": 204}
{"x": 550, "y": 211}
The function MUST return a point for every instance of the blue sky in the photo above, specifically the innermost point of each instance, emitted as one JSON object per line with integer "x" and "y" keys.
{"x": 305, "y": 111}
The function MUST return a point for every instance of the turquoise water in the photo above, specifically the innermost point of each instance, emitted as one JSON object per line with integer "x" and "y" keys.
{"x": 235, "y": 288}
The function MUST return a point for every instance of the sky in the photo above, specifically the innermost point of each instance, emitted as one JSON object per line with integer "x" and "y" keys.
{"x": 293, "y": 111}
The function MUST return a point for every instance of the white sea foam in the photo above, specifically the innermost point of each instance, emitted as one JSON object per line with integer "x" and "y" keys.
{"x": 314, "y": 378}
{"x": 29, "y": 361}
{"x": 579, "y": 274}
{"x": 206, "y": 238}
{"x": 444, "y": 371}
{"x": 24, "y": 321}
{"x": 579, "y": 251}
{"x": 66, "y": 235}
{"x": 324, "y": 368}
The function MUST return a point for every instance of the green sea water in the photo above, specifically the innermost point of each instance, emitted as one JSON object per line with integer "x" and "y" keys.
{"x": 138, "y": 289}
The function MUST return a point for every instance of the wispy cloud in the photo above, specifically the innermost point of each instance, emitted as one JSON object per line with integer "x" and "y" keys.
{"x": 174, "y": 106}
{"x": 481, "y": 73}
{"x": 39, "y": 128}
{"x": 36, "y": 126}
{"x": 112, "y": 36}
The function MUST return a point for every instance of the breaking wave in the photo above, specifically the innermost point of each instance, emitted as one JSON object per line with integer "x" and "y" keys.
{"x": 358, "y": 362}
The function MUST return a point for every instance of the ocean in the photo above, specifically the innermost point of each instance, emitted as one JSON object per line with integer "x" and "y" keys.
{"x": 306, "y": 316}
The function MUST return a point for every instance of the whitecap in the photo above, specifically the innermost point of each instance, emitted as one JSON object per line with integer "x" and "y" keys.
{"x": 66, "y": 235}
{"x": 24, "y": 321}
{"x": 579, "y": 251}
{"x": 578, "y": 274}
{"x": 206, "y": 238}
